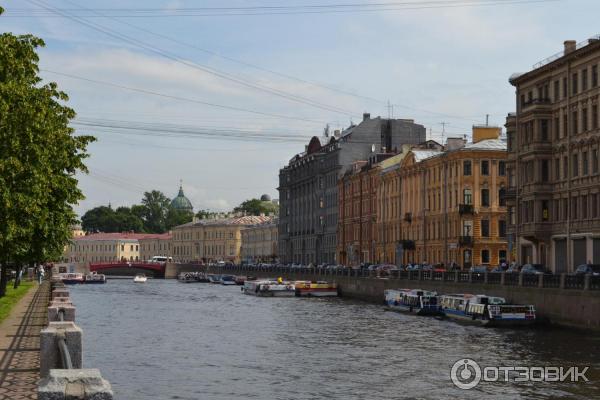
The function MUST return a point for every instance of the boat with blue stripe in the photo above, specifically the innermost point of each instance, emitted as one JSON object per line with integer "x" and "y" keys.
{"x": 416, "y": 301}
{"x": 486, "y": 310}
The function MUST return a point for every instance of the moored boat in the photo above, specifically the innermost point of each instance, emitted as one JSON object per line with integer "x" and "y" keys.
{"x": 94, "y": 278}
{"x": 192, "y": 277}
{"x": 212, "y": 278}
{"x": 316, "y": 289}
{"x": 417, "y": 301}
{"x": 140, "y": 278}
{"x": 227, "y": 280}
{"x": 269, "y": 288}
{"x": 72, "y": 278}
{"x": 486, "y": 310}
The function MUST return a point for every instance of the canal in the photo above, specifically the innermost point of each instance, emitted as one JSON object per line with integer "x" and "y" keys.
{"x": 168, "y": 340}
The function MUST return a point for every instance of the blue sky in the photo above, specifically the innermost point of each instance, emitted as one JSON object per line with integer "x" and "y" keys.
{"x": 435, "y": 65}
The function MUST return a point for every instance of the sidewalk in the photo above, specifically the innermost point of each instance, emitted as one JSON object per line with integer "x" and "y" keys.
{"x": 20, "y": 345}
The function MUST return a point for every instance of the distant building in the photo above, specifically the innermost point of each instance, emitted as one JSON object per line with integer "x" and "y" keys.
{"x": 105, "y": 247}
{"x": 553, "y": 163}
{"x": 181, "y": 202}
{"x": 210, "y": 240}
{"x": 308, "y": 185}
{"x": 259, "y": 242}
{"x": 155, "y": 245}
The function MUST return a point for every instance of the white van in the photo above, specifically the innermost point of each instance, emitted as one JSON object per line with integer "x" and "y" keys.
{"x": 161, "y": 259}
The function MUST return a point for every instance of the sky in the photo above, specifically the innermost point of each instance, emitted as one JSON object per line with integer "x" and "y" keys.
{"x": 222, "y": 102}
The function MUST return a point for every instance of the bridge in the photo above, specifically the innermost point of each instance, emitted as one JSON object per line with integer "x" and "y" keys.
{"x": 127, "y": 268}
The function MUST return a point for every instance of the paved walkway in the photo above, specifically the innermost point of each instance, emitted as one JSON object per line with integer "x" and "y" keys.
{"x": 20, "y": 345}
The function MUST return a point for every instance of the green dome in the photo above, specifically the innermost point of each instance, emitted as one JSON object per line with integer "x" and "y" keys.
{"x": 181, "y": 202}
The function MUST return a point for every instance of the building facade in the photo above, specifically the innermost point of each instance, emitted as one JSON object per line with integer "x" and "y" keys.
{"x": 553, "y": 166}
{"x": 211, "y": 240}
{"x": 155, "y": 245}
{"x": 308, "y": 185}
{"x": 105, "y": 247}
{"x": 259, "y": 243}
{"x": 452, "y": 203}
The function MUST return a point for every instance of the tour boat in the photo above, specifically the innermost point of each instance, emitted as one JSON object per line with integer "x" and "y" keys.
{"x": 227, "y": 280}
{"x": 269, "y": 288}
{"x": 214, "y": 278}
{"x": 140, "y": 278}
{"x": 486, "y": 310}
{"x": 71, "y": 278}
{"x": 316, "y": 289}
{"x": 418, "y": 301}
{"x": 94, "y": 278}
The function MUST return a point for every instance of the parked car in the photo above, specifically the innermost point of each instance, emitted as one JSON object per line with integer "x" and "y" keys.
{"x": 537, "y": 269}
{"x": 584, "y": 269}
{"x": 478, "y": 269}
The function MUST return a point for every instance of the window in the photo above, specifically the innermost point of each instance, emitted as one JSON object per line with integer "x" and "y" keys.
{"x": 501, "y": 255}
{"x": 574, "y": 201}
{"x": 485, "y": 167}
{"x": 575, "y": 124}
{"x": 584, "y": 119}
{"x": 467, "y": 168}
{"x": 467, "y": 196}
{"x": 485, "y": 228}
{"x": 556, "y": 128}
{"x": 485, "y": 197}
{"x": 595, "y": 161}
{"x": 575, "y": 165}
{"x": 502, "y": 228}
{"x": 594, "y": 76}
{"x": 502, "y": 168}
{"x": 584, "y": 81}
{"x": 595, "y": 116}
{"x": 564, "y": 88}
{"x": 485, "y": 256}
{"x": 584, "y": 163}
{"x": 574, "y": 82}
{"x": 584, "y": 207}
{"x": 545, "y": 170}
{"x": 565, "y": 167}
{"x": 557, "y": 168}
{"x": 502, "y": 197}
{"x": 556, "y": 89}
{"x": 545, "y": 210}
{"x": 544, "y": 129}
{"x": 122, "y": 247}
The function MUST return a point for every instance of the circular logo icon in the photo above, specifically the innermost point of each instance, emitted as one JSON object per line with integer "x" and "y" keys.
{"x": 465, "y": 374}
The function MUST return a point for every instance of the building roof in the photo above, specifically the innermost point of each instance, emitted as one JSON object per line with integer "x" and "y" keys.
{"x": 242, "y": 221}
{"x": 421, "y": 155}
{"x": 117, "y": 236}
{"x": 181, "y": 202}
{"x": 158, "y": 236}
{"x": 488, "y": 144}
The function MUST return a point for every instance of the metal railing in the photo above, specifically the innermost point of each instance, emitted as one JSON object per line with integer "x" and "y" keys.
{"x": 550, "y": 281}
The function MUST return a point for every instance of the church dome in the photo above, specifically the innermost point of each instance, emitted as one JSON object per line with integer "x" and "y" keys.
{"x": 265, "y": 197}
{"x": 181, "y": 202}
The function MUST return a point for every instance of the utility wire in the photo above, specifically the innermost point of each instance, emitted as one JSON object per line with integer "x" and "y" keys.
{"x": 203, "y": 68}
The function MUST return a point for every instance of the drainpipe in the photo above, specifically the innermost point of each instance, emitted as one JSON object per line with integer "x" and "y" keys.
{"x": 569, "y": 167}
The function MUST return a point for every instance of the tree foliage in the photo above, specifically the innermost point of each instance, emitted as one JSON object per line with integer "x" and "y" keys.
{"x": 257, "y": 207}
{"x": 40, "y": 157}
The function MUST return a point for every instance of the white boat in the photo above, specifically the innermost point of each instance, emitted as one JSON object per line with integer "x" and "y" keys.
{"x": 140, "y": 278}
{"x": 486, "y": 310}
{"x": 418, "y": 301}
{"x": 94, "y": 278}
{"x": 269, "y": 288}
{"x": 227, "y": 280}
{"x": 71, "y": 278}
{"x": 316, "y": 289}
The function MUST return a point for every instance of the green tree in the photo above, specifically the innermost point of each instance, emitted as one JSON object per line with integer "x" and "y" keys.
{"x": 177, "y": 217}
{"x": 156, "y": 206}
{"x": 204, "y": 214}
{"x": 40, "y": 157}
{"x": 98, "y": 219}
{"x": 257, "y": 207}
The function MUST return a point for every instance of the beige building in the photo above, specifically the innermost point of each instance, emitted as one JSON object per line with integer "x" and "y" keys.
{"x": 553, "y": 162}
{"x": 259, "y": 243}
{"x": 155, "y": 245}
{"x": 211, "y": 240}
{"x": 105, "y": 247}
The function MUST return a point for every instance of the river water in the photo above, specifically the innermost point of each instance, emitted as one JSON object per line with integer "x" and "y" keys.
{"x": 169, "y": 340}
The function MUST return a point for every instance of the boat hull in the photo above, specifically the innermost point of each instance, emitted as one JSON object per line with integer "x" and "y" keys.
{"x": 317, "y": 292}
{"x": 429, "y": 311}
{"x": 72, "y": 281}
{"x": 494, "y": 322}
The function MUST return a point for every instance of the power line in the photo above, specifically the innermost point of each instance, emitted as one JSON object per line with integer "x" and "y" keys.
{"x": 203, "y": 68}
{"x": 275, "y": 10}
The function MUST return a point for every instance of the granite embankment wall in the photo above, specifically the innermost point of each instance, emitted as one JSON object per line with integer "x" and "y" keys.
{"x": 559, "y": 299}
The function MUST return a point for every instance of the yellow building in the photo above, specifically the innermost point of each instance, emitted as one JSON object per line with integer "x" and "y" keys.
{"x": 211, "y": 240}
{"x": 104, "y": 247}
{"x": 259, "y": 243}
{"x": 155, "y": 245}
{"x": 452, "y": 202}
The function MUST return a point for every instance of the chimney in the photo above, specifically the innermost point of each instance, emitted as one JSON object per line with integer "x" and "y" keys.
{"x": 570, "y": 46}
{"x": 455, "y": 143}
{"x": 366, "y": 116}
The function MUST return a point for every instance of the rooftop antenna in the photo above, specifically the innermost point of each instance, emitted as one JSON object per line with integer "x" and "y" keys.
{"x": 326, "y": 131}
{"x": 390, "y": 108}
{"x": 443, "y": 123}
{"x": 487, "y": 119}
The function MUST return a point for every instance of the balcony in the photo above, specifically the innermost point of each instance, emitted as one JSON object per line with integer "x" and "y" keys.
{"x": 408, "y": 217}
{"x": 465, "y": 241}
{"x": 537, "y": 105}
{"x": 464, "y": 209}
